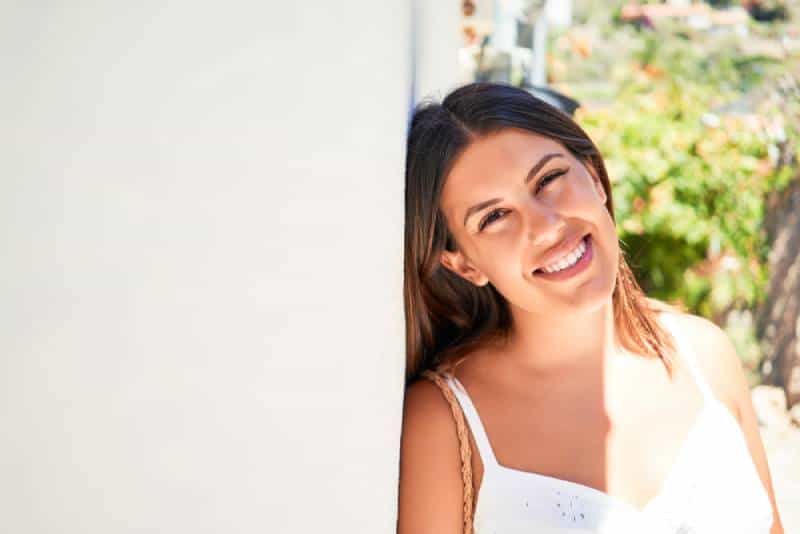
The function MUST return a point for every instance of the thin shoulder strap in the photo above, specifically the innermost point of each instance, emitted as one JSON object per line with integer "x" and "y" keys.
{"x": 687, "y": 354}
{"x": 475, "y": 423}
{"x": 464, "y": 448}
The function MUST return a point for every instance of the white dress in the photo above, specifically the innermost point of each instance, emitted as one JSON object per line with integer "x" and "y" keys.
{"x": 712, "y": 488}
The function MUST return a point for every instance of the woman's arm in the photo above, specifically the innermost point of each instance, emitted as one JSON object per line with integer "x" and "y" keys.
{"x": 431, "y": 488}
{"x": 722, "y": 366}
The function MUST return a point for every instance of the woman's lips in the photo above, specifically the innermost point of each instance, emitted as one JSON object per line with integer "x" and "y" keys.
{"x": 569, "y": 272}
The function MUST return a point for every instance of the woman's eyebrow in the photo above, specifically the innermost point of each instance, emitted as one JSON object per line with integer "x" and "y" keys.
{"x": 534, "y": 170}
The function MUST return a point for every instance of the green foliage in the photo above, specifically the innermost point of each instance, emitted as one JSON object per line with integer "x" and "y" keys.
{"x": 690, "y": 151}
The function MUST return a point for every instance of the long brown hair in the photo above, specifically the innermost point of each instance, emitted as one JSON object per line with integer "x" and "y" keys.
{"x": 446, "y": 316}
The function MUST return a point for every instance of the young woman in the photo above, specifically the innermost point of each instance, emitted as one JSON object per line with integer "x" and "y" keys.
{"x": 588, "y": 406}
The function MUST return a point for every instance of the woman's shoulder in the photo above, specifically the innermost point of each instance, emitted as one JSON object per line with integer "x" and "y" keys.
{"x": 714, "y": 352}
{"x": 428, "y": 416}
{"x": 425, "y": 403}
{"x": 430, "y": 466}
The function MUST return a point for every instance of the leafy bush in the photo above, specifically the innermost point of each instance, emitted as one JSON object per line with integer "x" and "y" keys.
{"x": 692, "y": 137}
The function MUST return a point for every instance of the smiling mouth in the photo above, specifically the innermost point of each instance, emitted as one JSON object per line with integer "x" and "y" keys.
{"x": 575, "y": 267}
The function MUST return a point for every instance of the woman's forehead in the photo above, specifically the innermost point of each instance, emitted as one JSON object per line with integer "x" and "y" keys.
{"x": 494, "y": 159}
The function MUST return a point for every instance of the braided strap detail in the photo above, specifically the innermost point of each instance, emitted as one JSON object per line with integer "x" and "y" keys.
{"x": 464, "y": 446}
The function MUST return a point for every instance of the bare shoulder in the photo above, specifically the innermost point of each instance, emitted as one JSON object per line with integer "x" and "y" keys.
{"x": 431, "y": 489}
{"x": 716, "y": 355}
{"x": 427, "y": 416}
{"x": 722, "y": 368}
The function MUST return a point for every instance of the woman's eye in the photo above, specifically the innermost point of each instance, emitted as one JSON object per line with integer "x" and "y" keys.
{"x": 497, "y": 214}
{"x": 549, "y": 178}
{"x": 489, "y": 219}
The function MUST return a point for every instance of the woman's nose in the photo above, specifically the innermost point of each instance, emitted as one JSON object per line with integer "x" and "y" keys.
{"x": 544, "y": 225}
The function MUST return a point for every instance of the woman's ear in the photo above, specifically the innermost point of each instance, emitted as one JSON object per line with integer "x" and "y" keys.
{"x": 463, "y": 267}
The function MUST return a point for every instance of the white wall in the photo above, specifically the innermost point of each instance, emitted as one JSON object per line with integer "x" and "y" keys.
{"x": 437, "y": 39}
{"x": 200, "y": 286}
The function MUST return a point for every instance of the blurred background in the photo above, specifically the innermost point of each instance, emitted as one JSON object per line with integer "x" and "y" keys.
{"x": 696, "y": 109}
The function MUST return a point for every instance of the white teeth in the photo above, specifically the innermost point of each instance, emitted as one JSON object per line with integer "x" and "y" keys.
{"x": 568, "y": 260}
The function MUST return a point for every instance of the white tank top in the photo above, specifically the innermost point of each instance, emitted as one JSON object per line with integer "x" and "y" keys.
{"x": 713, "y": 486}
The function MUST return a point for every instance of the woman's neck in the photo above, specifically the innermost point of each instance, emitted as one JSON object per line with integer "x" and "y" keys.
{"x": 551, "y": 343}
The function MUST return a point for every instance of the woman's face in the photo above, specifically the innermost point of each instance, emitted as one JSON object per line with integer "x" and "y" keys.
{"x": 515, "y": 202}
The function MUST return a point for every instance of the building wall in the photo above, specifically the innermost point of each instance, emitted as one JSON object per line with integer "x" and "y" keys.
{"x": 437, "y": 38}
{"x": 200, "y": 291}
